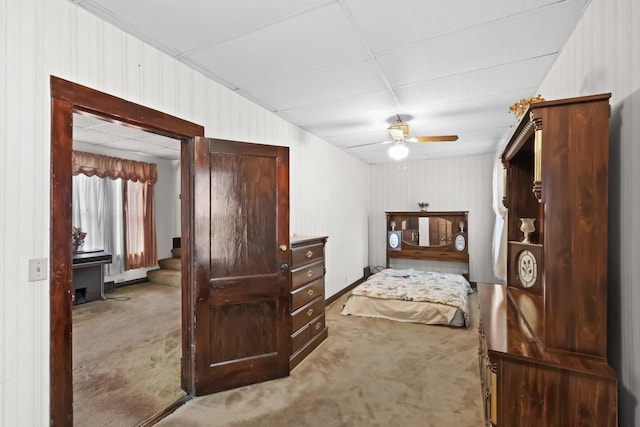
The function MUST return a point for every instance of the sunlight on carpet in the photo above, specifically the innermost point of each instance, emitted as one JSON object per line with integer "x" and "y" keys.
{"x": 126, "y": 355}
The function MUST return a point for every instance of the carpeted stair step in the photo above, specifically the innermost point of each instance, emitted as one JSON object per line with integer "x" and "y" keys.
{"x": 170, "y": 263}
{"x": 165, "y": 277}
{"x": 176, "y": 252}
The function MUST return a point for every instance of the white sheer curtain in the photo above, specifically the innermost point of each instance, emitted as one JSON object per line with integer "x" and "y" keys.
{"x": 135, "y": 224}
{"x": 499, "y": 247}
{"x": 97, "y": 208}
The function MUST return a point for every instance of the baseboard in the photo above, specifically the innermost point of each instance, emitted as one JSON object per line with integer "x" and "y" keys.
{"x": 130, "y": 282}
{"x": 154, "y": 419}
{"x": 332, "y": 298}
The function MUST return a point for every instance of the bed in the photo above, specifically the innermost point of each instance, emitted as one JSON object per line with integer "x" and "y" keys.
{"x": 410, "y": 295}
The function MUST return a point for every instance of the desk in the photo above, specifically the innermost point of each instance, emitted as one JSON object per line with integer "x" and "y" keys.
{"x": 88, "y": 275}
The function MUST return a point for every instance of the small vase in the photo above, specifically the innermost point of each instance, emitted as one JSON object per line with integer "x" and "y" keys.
{"x": 75, "y": 247}
{"x": 527, "y": 227}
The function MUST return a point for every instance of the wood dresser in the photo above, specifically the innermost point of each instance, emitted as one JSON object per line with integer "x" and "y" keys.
{"x": 543, "y": 336}
{"x": 308, "y": 327}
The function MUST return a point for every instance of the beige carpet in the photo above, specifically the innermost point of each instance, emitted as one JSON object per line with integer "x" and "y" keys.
{"x": 369, "y": 372}
{"x": 126, "y": 355}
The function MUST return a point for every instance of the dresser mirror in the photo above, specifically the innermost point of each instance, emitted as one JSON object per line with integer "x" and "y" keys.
{"x": 429, "y": 236}
{"x": 429, "y": 231}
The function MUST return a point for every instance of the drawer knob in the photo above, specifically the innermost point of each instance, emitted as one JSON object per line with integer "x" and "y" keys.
{"x": 310, "y": 292}
{"x": 309, "y": 273}
{"x": 309, "y": 254}
{"x": 310, "y": 312}
{"x": 283, "y": 248}
{"x": 318, "y": 325}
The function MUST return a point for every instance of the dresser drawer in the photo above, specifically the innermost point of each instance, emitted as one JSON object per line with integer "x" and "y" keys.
{"x": 317, "y": 325}
{"x": 303, "y": 335}
{"x": 302, "y": 316}
{"x": 306, "y": 293}
{"x": 306, "y": 274}
{"x": 306, "y": 254}
{"x": 300, "y": 338}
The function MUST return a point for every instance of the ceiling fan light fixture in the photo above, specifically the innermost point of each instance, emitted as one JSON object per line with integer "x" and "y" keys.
{"x": 396, "y": 134}
{"x": 401, "y": 127}
{"x": 398, "y": 151}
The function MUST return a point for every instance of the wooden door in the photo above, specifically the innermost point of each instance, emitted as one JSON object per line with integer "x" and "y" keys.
{"x": 240, "y": 261}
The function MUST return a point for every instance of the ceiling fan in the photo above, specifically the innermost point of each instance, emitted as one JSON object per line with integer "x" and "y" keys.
{"x": 399, "y": 134}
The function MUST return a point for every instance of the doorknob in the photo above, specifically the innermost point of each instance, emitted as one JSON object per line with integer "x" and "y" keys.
{"x": 284, "y": 266}
{"x": 283, "y": 248}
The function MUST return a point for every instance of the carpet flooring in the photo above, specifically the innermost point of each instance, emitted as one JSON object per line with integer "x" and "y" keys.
{"x": 126, "y": 355}
{"x": 369, "y": 372}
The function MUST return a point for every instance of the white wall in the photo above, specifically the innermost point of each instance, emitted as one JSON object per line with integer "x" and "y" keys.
{"x": 39, "y": 38}
{"x": 331, "y": 198}
{"x": 451, "y": 184}
{"x": 603, "y": 55}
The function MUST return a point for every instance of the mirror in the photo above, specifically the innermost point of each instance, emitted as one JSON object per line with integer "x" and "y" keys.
{"x": 426, "y": 231}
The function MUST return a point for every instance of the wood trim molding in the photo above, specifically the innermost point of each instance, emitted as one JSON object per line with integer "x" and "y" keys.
{"x": 61, "y": 385}
{"x": 156, "y": 418}
{"x": 349, "y": 288}
{"x": 92, "y": 102}
{"x": 66, "y": 98}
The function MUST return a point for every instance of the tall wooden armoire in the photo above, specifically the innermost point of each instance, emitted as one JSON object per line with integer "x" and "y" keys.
{"x": 543, "y": 338}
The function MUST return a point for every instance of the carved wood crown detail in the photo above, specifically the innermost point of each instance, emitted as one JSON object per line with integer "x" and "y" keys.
{"x": 520, "y": 107}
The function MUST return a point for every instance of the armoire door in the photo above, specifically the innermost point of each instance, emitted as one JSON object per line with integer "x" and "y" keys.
{"x": 240, "y": 264}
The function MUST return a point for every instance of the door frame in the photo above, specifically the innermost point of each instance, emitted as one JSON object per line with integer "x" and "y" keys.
{"x": 66, "y": 98}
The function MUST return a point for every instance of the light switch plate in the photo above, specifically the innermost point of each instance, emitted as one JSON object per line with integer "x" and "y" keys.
{"x": 37, "y": 269}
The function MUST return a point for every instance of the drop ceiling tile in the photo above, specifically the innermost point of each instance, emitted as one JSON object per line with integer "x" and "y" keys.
{"x": 91, "y": 136}
{"x": 187, "y": 25}
{"x": 164, "y": 153}
{"x": 470, "y": 115}
{"x": 481, "y": 83}
{"x": 351, "y": 139}
{"x": 388, "y": 25}
{"x": 481, "y": 47}
{"x": 326, "y": 84}
{"x": 374, "y": 107}
{"x": 157, "y": 140}
{"x": 322, "y": 37}
{"x": 83, "y": 121}
{"x": 120, "y": 131}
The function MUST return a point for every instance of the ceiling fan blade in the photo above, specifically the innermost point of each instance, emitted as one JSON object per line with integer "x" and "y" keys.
{"x": 436, "y": 138}
{"x": 370, "y": 143}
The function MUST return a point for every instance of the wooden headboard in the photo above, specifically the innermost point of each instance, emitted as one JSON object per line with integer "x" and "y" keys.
{"x": 428, "y": 236}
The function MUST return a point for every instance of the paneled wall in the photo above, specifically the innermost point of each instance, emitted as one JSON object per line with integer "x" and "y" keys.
{"x": 452, "y": 184}
{"x": 39, "y": 38}
{"x": 603, "y": 55}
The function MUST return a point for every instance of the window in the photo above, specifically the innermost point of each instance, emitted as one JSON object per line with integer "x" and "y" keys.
{"x": 113, "y": 201}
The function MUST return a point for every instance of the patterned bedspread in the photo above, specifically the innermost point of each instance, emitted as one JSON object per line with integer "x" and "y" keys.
{"x": 413, "y": 285}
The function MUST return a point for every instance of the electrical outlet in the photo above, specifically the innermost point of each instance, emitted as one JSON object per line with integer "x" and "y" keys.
{"x": 37, "y": 269}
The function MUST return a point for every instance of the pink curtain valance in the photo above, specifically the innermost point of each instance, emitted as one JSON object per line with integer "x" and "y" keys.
{"x": 113, "y": 167}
